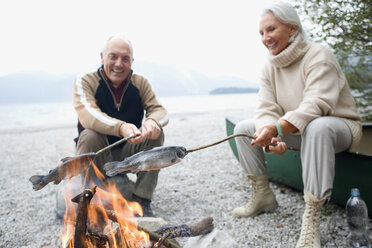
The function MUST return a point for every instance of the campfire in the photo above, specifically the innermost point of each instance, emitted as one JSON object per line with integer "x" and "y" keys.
{"x": 103, "y": 218}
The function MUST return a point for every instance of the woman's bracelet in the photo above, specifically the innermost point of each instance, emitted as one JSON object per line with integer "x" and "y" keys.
{"x": 279, "y": 130}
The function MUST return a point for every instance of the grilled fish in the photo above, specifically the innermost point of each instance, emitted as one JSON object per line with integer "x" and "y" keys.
{"x": 70, "y": 167}
{"x": 151, "y": 159}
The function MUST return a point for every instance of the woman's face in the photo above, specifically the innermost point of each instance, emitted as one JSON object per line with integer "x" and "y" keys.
{"x": 274, "y": 34}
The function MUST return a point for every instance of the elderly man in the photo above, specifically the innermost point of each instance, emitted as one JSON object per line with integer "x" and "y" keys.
{"x": 111, "y": 103}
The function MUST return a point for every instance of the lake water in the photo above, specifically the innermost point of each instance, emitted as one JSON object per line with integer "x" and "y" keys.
{"x": 45, "y": 115}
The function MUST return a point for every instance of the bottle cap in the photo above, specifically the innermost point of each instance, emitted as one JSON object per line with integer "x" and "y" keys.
{"x": 355, "y": 192}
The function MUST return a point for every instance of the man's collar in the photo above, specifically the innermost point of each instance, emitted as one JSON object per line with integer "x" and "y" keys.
{"x": 101, "y": 73}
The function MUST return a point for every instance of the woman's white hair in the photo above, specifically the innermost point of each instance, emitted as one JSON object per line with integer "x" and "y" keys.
{"x": 121, "y": 37}
{"x": 285, "y": 13}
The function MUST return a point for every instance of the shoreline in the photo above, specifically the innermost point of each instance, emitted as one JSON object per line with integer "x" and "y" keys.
{"x": 20, "y": 129}
{"x": 209, "y": 182}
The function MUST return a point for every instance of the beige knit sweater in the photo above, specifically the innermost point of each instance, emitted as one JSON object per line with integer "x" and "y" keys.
{"x": 304, "y": 82}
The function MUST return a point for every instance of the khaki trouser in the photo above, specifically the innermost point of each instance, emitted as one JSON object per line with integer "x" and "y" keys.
{"x": 321, "y": 140}
{"x": 144, "y": 186}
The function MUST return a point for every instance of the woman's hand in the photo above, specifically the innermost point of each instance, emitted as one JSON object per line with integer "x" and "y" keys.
{"x": 277, "y": 146}
{"x": 264, "y": 135}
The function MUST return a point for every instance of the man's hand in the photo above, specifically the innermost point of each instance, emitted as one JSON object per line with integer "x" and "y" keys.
{"x": 150, "y": 129}
{"x": 128, "y": 129}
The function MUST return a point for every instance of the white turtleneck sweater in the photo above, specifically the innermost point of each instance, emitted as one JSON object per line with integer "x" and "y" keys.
{"x": 304, "y": 82}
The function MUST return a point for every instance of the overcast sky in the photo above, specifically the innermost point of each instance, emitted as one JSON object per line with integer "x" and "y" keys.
{"x": 210, "y": 36}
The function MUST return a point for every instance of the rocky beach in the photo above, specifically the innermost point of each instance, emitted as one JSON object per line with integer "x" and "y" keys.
{"x": 206, "y": 183}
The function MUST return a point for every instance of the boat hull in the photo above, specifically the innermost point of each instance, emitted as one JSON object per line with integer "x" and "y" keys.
{"x": 352, "y": 170}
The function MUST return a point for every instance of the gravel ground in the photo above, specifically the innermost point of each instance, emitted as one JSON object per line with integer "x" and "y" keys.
{"x": 206, "y": 183}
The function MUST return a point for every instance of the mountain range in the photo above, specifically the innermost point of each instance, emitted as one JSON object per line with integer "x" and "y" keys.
{"x": 167, "y": 80}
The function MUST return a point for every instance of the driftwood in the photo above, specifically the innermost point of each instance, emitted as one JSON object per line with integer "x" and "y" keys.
{"x": 190, "y": 229}
{"x": 83, "y": 200}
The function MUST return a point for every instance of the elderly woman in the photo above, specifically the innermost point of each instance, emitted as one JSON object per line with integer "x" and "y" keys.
{"x": 304, "y": 102}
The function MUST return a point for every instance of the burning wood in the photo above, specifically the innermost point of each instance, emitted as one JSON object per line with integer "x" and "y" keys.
{"x": 90, "y": 223}
{"x": 122, "y": 235}
{"x": 190, "y": 229}
{"x": 98, "y": 240}
{"x": 83, "y": 201}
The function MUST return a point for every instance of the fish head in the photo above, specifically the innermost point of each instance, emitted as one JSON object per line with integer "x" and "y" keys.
{"x": 181, "y": 152}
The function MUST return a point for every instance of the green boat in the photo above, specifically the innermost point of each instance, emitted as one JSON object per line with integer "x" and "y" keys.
{"x": 353, "y": 170}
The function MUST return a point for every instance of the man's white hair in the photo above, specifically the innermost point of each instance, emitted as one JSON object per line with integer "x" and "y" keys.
{"x": 124, "y": 39}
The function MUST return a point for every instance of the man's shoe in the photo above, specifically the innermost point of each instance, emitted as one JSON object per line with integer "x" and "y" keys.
{"x": 146, "y": 206}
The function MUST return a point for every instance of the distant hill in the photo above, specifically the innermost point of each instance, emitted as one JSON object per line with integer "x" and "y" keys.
{"x": 35, "y": 87}
{"x": 233, "y": 90}
{"x": 166, "y": 80}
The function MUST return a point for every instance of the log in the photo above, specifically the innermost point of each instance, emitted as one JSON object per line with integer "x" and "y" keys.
{"x": 83, "y": 200}
{"x": 190, "y": 229}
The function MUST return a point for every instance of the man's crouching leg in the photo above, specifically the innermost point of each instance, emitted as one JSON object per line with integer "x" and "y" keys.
{"x": 146, "y": 182}
{"x": 91, "y": 141}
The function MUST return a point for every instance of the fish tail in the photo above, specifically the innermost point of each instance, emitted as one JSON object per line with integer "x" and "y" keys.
{"x": 110, "y": 168}
{"x": 37, "y": 182}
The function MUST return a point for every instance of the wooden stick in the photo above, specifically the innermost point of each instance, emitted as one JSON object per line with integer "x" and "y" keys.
{"x": 116, "y": 143}
{"x": 159, "y": 243}
{"x": 230, "y": 137}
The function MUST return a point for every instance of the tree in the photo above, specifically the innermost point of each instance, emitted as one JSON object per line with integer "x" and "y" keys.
{"x": 345, "y": 25}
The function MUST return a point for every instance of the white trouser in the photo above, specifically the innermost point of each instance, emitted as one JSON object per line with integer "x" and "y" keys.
{"x": 321, "y": 140}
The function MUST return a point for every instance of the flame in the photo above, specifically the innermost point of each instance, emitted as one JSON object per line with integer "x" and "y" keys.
{"x": 96, "y": 170}
{"x": 109, "y": 214}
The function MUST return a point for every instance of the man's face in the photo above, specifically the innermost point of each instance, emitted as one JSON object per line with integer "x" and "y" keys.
{"x": 117, "y": 60}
